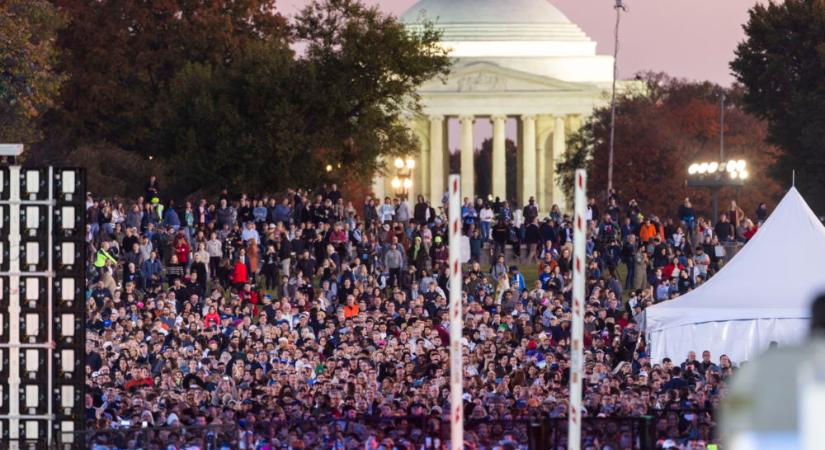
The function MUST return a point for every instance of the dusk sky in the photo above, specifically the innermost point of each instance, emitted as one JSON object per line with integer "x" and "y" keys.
{"x": 693, "y": 39}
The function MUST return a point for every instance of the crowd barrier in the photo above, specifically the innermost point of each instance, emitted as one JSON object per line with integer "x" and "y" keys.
{"x": 409, "y": 432}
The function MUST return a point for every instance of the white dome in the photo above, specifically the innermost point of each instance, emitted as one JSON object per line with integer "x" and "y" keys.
{"x": 494, "y": 20}
{"x": 486, "y": 11}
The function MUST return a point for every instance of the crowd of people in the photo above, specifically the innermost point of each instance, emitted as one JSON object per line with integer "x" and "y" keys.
{"x": 305, "y": 321}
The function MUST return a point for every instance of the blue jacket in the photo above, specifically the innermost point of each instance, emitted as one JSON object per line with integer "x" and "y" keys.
{"x": 150, "y": 267}
{"x": 545, "y": 279}
{"x": 259, "y": 213}
{"x": 282, "y": 213}
{"x": 171, "y": 219}
{"x": 518, "y": 282}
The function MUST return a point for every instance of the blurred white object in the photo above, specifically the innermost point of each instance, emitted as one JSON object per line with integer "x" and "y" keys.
{"x": 812, "y": 400}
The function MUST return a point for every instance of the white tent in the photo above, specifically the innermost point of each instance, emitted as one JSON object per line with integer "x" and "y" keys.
{"x": 762, "y": 295}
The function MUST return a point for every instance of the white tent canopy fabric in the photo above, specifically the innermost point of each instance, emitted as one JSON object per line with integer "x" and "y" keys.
{"x": 762, "y": 295}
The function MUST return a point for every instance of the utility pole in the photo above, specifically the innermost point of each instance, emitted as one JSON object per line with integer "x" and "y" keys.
{"x": 619, "y": 7}
{"x": 714, "y": 191}
{"x": 722, "y": 127}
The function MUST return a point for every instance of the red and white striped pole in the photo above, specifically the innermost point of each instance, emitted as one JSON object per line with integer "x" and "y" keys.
{"x": 574, "y": 421}
{"x": 456, "y": 322}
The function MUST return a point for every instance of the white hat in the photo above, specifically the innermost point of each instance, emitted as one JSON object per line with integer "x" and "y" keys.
{"x": 668, "y": 443}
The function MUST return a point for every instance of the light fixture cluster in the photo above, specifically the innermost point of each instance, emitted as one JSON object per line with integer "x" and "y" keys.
{"x": 735, "y": 169}
{"x": 398, "y": 183}
{"x": 408, "y": 164}
{"x": 403, "y": 183}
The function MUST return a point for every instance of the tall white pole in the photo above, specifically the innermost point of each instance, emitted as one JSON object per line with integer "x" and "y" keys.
{"x": 456, "y": 322}
{"x": 574, "y": 421}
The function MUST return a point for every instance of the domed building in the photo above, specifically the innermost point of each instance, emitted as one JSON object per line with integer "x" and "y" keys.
{"x": 519, "y": 59}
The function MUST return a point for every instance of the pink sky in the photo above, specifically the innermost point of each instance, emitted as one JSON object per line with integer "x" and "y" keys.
{"x": 693, "y": 39}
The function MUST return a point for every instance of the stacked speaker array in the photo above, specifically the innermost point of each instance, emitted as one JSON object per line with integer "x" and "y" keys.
{"x": 42, "y": 281}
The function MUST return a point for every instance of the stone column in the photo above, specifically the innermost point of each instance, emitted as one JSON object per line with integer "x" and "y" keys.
{"x": 422, "y": 168}
{"x": 436, "y": 160}
{"x": 499, "y": 164}
{"x": 559, "y": 145}
{"x": 528, "y": 159}
{"x": 541, "y": 171}
{"x": 419, "y": 184}
{"x": 467, "y": 155}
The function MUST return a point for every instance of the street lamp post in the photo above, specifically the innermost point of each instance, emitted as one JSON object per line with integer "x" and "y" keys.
{"x": 715, "y": 175}
{"x": 402, "y": 183}
{"x": 722, "y": 98}
{"x": 619, "y": 7}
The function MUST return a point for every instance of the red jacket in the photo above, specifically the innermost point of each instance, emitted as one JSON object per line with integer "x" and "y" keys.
{"x": 338, "y": 237}
{"x": 213, "y": 317}
{"x": 250, "y": 296}
{"x": 667, "y": 271}
{"x": 182, "y": 251}
{"x": 239, "y": 274}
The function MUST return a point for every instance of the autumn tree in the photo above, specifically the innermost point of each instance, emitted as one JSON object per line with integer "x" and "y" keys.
{"x": 781, "y": 64}
{"x": 28, "y": 79}
{"x": 659, "y": 134}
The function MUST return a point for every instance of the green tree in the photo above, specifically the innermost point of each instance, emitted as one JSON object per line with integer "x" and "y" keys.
{"x": 484, "y": 168}
{"x": 235, "y": 126}
{"x": 269, "y": 120}
{"x": 120, "y": 56}
{"x": 782, "y": 66}
{"x": 28, "y": 80}
{"x": 662, "y": 130}
{"x": 359, "y": 78}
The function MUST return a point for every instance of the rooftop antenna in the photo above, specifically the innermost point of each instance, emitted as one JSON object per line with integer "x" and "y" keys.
{"x": 793, "y": 178}
{"x": 619, "y": 7}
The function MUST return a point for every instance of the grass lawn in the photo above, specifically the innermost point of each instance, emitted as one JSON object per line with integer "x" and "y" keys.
{"x": 530, "y": 271}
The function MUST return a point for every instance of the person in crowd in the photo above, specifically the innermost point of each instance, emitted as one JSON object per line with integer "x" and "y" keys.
{"x": 687, "y": 215}
{"x": 486, "y": 217}
{"x": 348, "y": 326}
{"x": 104, "y": 259}
{"x": 724, "y": 230}
{"x": 386, "y": 211}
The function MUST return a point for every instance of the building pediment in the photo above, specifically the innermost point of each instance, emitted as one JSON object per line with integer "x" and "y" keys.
{"x": 484, "y": 77}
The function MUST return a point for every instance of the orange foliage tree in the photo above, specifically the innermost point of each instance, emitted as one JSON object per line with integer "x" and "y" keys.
{"x": 660, "y": 130}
